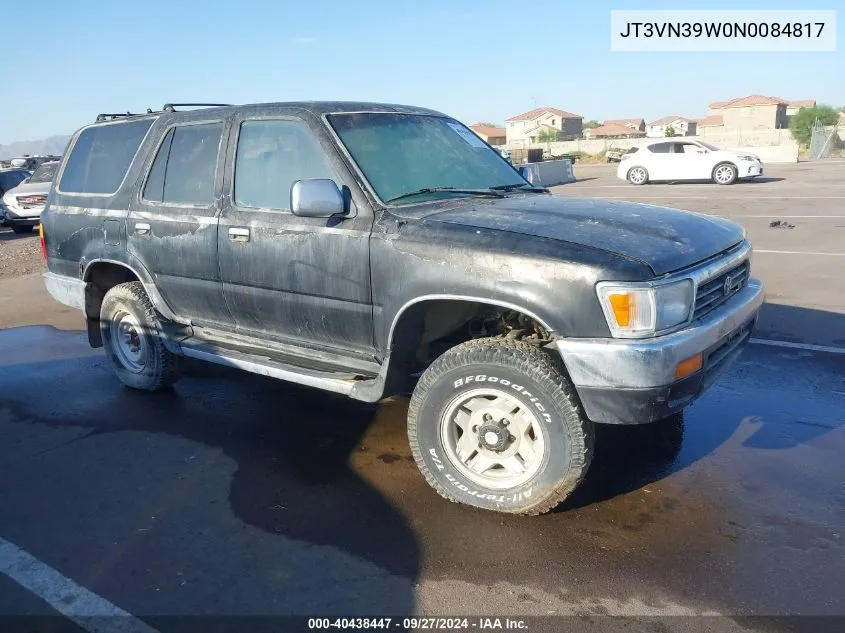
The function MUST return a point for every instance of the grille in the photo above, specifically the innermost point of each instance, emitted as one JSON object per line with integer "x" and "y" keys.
{"x": 37, "y": 200}
{"x": 714, "y": 292}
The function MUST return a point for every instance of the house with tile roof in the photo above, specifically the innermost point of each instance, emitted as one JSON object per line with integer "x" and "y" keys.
{"x": 681, "y": 125}
{"x": 754, "y": 112}
{"x": 489, "y": 133}
{"x": 709, "y": 122}
{"x": 613, "y": 130}
{"x": 634, "y": 124}
{"x": 524, "y": 129}
{"x": 792, "y": 107}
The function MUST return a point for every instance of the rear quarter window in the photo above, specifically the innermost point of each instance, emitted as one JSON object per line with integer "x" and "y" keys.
{"x": 101, "y": 157}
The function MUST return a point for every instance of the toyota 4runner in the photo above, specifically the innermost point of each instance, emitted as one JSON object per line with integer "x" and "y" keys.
{"x": 369, "y": 250}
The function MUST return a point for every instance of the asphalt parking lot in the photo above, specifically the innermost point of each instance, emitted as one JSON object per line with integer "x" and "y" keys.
{"x": 238, "y": 495}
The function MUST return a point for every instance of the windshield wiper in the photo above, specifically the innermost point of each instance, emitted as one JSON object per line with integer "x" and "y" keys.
{"x": 530, "y": 188}
{"x": 490, "y": 193}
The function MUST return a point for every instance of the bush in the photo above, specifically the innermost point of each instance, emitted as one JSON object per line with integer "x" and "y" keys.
{"x": 547, "y": 136}
{"x": 670, "y": 131}
{"x": 801, "y": 124}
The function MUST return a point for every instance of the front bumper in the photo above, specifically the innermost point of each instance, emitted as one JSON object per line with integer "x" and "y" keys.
{"x": 750, "y": 170}
{"x": 624, "y": 381}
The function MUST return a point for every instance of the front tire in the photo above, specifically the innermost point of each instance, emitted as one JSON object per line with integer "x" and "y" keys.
{"x": 638, "y": 175}
{"x": 496, "y": 424}
{"x": 133, "y": 341}
{"x": 725, "y": 174}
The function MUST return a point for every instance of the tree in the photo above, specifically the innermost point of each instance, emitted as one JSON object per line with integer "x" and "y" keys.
{"x": 670, "y": 131}
{"x": 590, "y": 125}
{"x": 546, "y": 135}
{"x": 801, "y": 124}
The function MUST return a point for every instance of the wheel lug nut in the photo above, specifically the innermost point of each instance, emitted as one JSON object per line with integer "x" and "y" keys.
{"x": 505, "y": 422}
{"x": 487, "y": 417}
{"x": 475, "y": 428}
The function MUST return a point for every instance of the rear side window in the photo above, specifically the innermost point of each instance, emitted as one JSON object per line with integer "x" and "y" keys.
{"x": 661, "y": 148}
{"x": 184, "y": 168}
{"x": 101, "y": 157}
{"x": 271, "y": 156}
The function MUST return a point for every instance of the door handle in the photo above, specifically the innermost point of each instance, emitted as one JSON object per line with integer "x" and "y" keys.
{"x": 238, "y": 234}
{"x": 142, "y": 228}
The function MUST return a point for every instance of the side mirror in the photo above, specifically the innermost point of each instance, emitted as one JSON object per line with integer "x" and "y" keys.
{"x": 316, "y": 198}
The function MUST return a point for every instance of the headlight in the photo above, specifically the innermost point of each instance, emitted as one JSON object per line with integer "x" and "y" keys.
{"x": 637, "y": 310}
{"x": 747, "y": 157}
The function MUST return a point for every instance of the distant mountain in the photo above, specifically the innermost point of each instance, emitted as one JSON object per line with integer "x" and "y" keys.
{"x": 54, "y": 145}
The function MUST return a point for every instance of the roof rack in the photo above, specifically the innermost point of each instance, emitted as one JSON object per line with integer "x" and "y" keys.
{"x": 168, "y": 107}
{"x": 171, "y": 107}
{"x": 121, "y": 115}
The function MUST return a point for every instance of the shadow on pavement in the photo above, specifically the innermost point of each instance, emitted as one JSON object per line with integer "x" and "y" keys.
{"x": 801, "y": 325}
{"x": 8, "y": 235}
{"x": 292, "y": 446}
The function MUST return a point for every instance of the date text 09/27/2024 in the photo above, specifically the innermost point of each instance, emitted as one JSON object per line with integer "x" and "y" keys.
{"x": 419, "y": 624}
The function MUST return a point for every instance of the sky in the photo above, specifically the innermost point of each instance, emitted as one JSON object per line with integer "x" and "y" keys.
{"x": 474, "y": 60}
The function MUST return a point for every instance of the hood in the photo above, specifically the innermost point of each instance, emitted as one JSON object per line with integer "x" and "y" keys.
{"x": 664, "y": 239}
{"x": 738, "y": 150}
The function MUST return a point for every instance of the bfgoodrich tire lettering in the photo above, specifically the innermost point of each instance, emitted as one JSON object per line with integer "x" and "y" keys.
{"x": 132, "y": 339}
{"x": 532, "y": 378}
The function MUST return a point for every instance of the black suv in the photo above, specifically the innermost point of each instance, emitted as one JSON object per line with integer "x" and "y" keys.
{"x": 369, "y": 250}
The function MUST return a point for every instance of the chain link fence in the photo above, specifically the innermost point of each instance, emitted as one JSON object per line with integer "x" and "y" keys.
{"x": 826, "y": 142}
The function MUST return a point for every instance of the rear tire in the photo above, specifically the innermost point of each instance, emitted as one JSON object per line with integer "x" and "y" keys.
{"x": 132, "y": 339}
{"x": 496, "y": 424}
{"x": 638, "y": 175}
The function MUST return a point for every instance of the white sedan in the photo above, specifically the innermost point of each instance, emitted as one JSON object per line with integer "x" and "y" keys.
{"x": 677, "y": 160}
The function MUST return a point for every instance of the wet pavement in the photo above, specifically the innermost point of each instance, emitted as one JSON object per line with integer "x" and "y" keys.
{"x": 239, "y": 495}
{"x": 236, "y": 494}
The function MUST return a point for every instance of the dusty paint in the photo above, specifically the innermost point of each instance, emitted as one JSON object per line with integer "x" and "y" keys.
{"x": 339, "y": 286}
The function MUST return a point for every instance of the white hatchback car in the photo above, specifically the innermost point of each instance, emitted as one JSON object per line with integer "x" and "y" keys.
{"x": 679, "y": 160}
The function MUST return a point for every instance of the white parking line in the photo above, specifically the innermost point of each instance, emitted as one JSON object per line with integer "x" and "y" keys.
{"x": 87, "y": 609}
{"x": 807, "y": 346}
{"x": 799, "y": 253}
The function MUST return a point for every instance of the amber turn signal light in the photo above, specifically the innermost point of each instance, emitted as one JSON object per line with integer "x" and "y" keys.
{"x": 689, "y": 366}
{"x": 621, "y": 304}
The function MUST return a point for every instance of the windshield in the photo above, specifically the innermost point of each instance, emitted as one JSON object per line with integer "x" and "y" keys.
{"x": 403, "y": 153}
{"x": 708, "y": 146}
{"x": 45, "y": 173}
